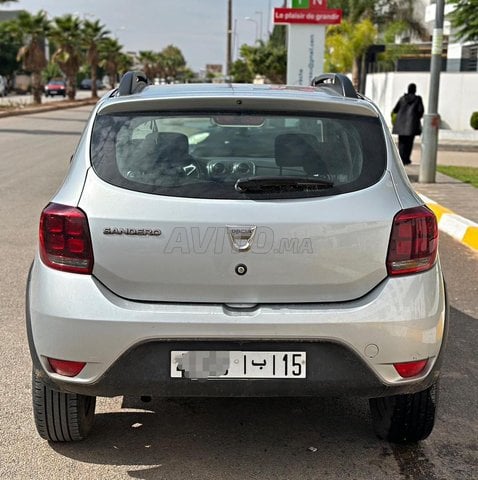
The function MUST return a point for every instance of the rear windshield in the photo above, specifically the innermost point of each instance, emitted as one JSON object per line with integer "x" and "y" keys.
{"x": 227, "y": 155}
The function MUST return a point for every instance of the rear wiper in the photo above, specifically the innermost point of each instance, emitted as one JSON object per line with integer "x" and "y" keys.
{"x": 287, "y": 184}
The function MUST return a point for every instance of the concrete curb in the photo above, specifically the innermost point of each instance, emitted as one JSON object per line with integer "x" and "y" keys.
{"x": 458, "y": 227}
{"x": 48, "y": 107}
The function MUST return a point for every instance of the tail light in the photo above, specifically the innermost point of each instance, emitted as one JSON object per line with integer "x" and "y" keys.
{"x": 410, "y": 369}
{"x": 413, "y": 242}
{"x": 65, "y": 242}
{"x": 66, "y": 367}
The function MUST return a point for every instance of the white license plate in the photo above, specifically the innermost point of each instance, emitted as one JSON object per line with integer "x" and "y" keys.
{"x": 234, "y": 364}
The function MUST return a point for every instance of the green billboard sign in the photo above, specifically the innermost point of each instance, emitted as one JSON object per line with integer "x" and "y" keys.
{"x": 300, "y": 3}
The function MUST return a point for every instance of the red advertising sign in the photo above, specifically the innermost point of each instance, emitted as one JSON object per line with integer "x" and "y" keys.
{"x": 307, "y": 16}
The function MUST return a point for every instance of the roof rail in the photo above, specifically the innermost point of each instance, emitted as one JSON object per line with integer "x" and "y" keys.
{"x": 337, "y": 82}
{"x": 132, "y": 82}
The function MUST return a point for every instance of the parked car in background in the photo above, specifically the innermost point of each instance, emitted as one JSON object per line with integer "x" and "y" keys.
{"x": 236, "y": 240}
{"x": 86, "y": 84}
{"x": 54, "y": 88}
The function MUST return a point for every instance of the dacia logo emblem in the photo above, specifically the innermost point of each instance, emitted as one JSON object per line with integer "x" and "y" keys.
{"x": 241, "y": 236}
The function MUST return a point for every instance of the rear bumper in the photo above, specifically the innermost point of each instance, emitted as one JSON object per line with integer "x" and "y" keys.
{"x": 350, "y": 346}
{"x": 332, "y": 369}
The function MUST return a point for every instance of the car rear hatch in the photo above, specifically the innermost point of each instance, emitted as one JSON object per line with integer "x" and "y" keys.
{"x": 156, "y": 248}
{"x": 248, "y": 232}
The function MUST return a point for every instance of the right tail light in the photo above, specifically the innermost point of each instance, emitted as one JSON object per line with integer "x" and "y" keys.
{"x": 413, "y": 242}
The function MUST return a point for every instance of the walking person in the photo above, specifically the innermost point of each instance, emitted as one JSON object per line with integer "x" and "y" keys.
{"x": 409, "y": 110}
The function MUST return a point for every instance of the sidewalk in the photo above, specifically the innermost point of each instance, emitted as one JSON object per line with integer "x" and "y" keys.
{"x": 454, "y": 203}
{"x": 455, "y": 140}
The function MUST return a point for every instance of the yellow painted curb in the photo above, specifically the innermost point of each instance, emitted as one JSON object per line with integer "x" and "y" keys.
{"x": 438, "y": 210}
{"x": 471, "y": 237}
{"x": 458, "y": 227}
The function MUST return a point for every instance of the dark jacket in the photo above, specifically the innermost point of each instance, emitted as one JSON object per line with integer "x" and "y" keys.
{"x": 409, "y": 110}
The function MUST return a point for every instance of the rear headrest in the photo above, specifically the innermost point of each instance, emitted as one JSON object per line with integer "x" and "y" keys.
{"x": 172, "y": 144}
{"x": 295, "y": 149}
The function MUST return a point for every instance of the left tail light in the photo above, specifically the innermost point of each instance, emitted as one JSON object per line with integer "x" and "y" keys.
{"x": 65, "y": 241}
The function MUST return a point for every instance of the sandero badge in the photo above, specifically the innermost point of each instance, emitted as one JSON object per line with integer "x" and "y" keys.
{"x": 139, "y": 232}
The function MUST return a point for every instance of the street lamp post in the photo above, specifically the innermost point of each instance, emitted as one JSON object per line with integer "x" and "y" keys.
{"x": 250, "y": 19}
{"x": 235, "y": 40}
{"x": 260, "y": 23}
{"x": 229, "y": 39}
{"x": 431, "y": 121}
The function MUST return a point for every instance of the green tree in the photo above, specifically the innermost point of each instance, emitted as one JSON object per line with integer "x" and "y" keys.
{"x": 187, "y": 75}
{"x": 93, "y": 34}
{"x": 9, "y": 47}
{"x": 387, "y": 60}
{"x": 52, "y": 70}
{"x": 382, "y": 13}
{"x": 30, "y": 30}
{"x": 278, "y": 37}
{"x": 346, "y": 44}
{"x": 66, "y": 32}
{"x": 240, "y": 71}
{"x": 356, "y": 10}
{"x": 149, "y": 60}
{"x": 171, "y": 62}
{"x": 465, "y": 19}
{"x": 110, "y": 53}
{"x": 264, "y": 58}
{"x": 365, "y": 22}
{"x": 125, "y": 63}
{"x": 268, "y": 60}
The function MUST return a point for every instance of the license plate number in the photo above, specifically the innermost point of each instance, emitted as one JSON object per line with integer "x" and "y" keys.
{"x": 237, "y": 364}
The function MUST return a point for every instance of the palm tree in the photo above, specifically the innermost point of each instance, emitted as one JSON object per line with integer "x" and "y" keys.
{"x": 364, "y": 21}
{"x": 110, "y": 57}
{"x": 125, "y": 63}
{"x": 31, "y": 30}
{"x": 66, "y": 34}
{"x": 149, "y": 61}
{"x": 346, "y": 43}
{"x": 93, "y": 34}
{"x": 382, "y": 13}
{"x": 465, "y": 19}
{"x": 171, "y": 62}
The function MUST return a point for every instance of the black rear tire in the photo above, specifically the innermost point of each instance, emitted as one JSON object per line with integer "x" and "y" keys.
{"x": 61, "y": 417}
{"x": 405, "y": 418}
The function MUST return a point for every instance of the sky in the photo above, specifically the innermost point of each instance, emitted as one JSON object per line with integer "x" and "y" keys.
{"x": 197, "y": 27}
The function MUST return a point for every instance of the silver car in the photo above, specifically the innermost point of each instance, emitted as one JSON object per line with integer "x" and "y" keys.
{"x": 236, "y": 240}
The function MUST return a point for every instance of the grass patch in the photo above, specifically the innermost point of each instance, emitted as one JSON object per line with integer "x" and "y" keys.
{"x": 464, "y": 174}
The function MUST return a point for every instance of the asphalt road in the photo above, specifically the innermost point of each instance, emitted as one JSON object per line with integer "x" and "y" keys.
{"x": 209, "y": 438}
